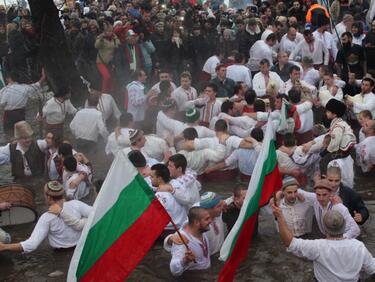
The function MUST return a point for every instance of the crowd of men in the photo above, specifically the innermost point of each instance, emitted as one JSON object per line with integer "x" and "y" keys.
{"x": 187, "y": 90}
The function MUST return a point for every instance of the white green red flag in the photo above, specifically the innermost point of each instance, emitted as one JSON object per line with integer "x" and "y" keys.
{"x": 265, "y": 180}
{"x": 126, "y": 221}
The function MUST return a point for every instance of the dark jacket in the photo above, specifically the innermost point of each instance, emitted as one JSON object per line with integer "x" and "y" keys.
{"x": 245, "y": 40}
{"x": 225, "y": 89}
{"x": 353, "y": 201}
{"x": 284, "y": 73}
{"x": 35, "y": 159}
{"x": 230, "y": 216}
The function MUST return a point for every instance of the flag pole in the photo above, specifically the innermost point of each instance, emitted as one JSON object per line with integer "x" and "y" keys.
{"x": 180, "y": 235}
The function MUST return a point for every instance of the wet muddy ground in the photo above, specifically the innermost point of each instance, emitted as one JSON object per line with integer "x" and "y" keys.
{"x": 267, "y": 259}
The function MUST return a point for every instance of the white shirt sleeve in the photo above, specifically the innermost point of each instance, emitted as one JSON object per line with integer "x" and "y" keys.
{"x": 325, "y": 54}
{"x": 304, "y": 107}
{"x": 206, "y": 132}
{"x": 232, "y": 160}
{"x": 182, "y": 194}
{"x": 370, "y": 106}
{"x": 173, "y": 126}
{"x": 368, "y": 262}
{"x": 351, "y": 229}
{"x": 214, "y": 155}
{"x": 309, "y": 196}
{"x": 70, "y": 109}
{"x": 295, "y": 52}
{"x": 123, "y": 140}
{"x": 32, "y": 89}
{"x": 39, "y": 233}
{"x": 42, "y": 144}
{"x": 234, "y": 142}
{"x": 5, "y": 154}
{"x": 176, "y": 266}
{"x": 203, "y": 143}
{"x": 101, "y": 127}
{"x": 72, "y": 221}
{"x": 136, "y": 96}
{"x": 240, "y": 132}
{"x": 248, "y": 79}
{"x": 304, "y": 248}
{"x": 259, "y": 85}
{"x": 116, "y": 111}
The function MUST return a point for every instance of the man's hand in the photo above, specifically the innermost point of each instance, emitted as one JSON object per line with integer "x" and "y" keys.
{"x": 39, "y": 117}
{"x": 2, "y": 247}
{"x": 300, "y": 197}
{"x": 349, "y": 103}
{"x": 225, "y": 206}
{"x": 335, "y": 200}
{"x": 151, "y": 93}
{"x": 42, "y": 77}
{"x": 276, "y": 211}
{"x": 167, "y": 155}
{"x": 5, "y": 206}
{"x": 170, "y": 140}
{"x": 55, "y": 209}
{"x": 277, "y": 198}
{"x": 357, "y": 217}
{"x": 80, "y": 157}
{"x": 74, "y": 184}
{"x": 189, "y": 257}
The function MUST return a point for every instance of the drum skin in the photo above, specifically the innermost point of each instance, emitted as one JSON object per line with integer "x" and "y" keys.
{"x": 23, "y": 206}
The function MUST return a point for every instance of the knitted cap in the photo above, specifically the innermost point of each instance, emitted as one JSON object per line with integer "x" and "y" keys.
{"x": 54, "y": 188}
{"x": 289, "y": 181}
{"x": 191, "y": 115}
{"x": 169, "y": 103}
{"x": 209, "y": 200}
{"x": 134, "y": 135}
{"x": 334, "y": 223}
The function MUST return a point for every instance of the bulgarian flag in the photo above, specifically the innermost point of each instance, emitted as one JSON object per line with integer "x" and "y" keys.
{"x": 126, "y": 221}
{"x": 265, "y": 180}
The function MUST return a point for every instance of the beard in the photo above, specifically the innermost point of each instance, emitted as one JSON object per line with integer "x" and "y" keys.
{"x": 204, "y": 229}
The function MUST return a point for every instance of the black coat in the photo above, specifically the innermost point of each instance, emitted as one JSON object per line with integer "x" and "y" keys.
{"x": 353, "y": 201}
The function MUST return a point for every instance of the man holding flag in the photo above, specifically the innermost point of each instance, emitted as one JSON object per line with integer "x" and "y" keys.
{"x": 126, "y": 221}
{"x": 197, "y": 256}
{"x": 265, "y": 180}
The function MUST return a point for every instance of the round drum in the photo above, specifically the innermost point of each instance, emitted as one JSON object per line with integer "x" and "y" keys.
{"x": 23, "y": 206}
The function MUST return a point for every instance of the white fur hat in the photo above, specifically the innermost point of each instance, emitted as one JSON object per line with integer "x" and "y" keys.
{"x": 22, "y": 129}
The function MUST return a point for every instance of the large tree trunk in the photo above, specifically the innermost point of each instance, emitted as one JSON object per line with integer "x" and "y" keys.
{"x": 54, "y": 54}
